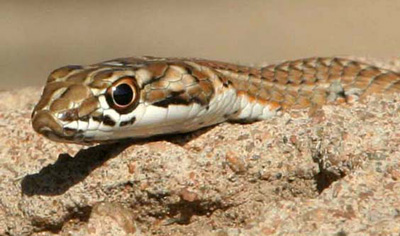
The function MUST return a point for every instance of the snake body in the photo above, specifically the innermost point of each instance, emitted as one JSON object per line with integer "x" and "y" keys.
{"x": 140, "y": 97}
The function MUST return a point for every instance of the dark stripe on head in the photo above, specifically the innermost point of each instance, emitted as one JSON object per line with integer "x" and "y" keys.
{"x": 97, "y": 118}
{"x": 179, "y": 100}
{"x": 172, "y": 101}
{"x": 128, "y": 122}
{"x": 108, "y": 121}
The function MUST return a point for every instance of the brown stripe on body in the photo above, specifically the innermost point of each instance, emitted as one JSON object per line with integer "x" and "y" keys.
{"x": 307, "y": 82}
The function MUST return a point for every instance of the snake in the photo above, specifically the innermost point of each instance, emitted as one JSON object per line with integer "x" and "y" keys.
{"x": 141, "y": 97}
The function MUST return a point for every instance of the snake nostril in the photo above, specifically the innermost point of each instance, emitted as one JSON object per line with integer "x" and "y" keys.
{"x": 69, "y": 115}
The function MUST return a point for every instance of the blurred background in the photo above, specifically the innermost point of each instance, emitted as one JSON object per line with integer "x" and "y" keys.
{"x": 39, "y": 36}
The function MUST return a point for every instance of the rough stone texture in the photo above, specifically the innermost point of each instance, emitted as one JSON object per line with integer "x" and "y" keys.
{"x": 335, "y": 172}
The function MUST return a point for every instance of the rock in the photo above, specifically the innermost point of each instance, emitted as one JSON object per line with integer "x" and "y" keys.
{"x": 337, "y": 175}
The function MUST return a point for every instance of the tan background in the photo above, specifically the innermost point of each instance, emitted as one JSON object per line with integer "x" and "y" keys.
{"x": 39, "y": 36}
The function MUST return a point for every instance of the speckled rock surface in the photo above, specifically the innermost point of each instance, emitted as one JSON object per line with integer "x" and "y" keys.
{"x": 333, "y": 173}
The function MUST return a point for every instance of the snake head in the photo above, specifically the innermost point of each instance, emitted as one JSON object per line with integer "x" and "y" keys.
{"x": 78, "y": 101}
{"x": 124, "y": 98}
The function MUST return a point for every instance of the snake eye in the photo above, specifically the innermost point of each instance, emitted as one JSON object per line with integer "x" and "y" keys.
{"x": 122, "y": 95}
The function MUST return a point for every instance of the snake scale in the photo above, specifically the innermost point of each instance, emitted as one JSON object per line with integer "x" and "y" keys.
{"x": 140, "y": 97}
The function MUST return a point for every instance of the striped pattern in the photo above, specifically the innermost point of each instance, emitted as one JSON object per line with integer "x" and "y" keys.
{"x": 177, "y": 95}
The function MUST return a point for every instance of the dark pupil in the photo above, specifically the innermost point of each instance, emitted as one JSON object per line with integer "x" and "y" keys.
{"x": 123, "y": 94}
